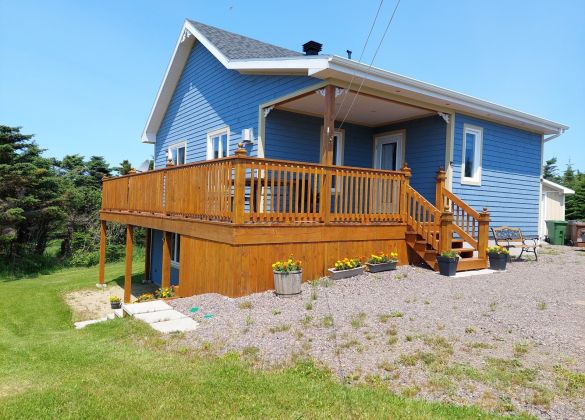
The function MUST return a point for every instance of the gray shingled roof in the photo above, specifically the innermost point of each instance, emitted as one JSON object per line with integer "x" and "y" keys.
{"x": 239, "y": 47}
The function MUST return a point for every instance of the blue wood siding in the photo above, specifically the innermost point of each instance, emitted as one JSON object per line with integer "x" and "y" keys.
{"x": 156, "y": 260}
{"x": 208, "y": 96}
{"x": 510, "y": 179}
{"x": 292, "y": 136}
{"x": 425, "y": 151}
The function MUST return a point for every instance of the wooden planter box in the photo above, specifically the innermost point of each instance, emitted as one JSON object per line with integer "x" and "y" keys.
{"x": 343, "y": 274}
{"x": 378, "y": 268}
{"x": 447, "y": 266}
{"x": 498, "y": 261}
{"x": 289, "y": 283}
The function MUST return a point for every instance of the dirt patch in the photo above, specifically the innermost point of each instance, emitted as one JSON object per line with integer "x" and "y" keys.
{"x": 509, "y": 342}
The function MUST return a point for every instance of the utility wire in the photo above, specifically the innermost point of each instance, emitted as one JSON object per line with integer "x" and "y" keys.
{"x": 371, "y": 63}
{"x": 361, "y": 55}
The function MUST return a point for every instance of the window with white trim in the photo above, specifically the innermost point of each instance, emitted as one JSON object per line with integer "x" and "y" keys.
{"x": 218, "y": 143}
{"x": 471, "y": 160}
{"x": 175, "y": 249}
{"x": 178, "y": 153}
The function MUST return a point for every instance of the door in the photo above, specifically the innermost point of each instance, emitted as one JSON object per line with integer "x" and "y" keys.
{"x": 388, "y": 151}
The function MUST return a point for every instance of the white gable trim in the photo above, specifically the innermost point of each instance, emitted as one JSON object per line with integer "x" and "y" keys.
{"x": 557, "y": 187}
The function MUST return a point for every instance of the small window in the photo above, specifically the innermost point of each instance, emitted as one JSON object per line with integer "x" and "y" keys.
{"x": 338, "y": 147}
{"x": 178, "y": 153}
{"x": 471, "y": 161}
{"x": 218, "y": 144}
{"x": 175, "y": 249}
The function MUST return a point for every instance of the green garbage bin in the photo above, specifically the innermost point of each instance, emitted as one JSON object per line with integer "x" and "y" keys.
{"x": 557, "y": 230}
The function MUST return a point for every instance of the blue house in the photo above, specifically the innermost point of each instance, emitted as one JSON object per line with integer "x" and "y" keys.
{"x": 224, "y": 93}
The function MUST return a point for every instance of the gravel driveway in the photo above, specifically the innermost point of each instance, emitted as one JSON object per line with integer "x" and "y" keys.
{"x": 509, "y": 342}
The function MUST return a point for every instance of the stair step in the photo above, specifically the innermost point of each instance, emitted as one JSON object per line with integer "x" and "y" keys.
{"x": 472, "y": 264}
{"x": 457, "y": 243}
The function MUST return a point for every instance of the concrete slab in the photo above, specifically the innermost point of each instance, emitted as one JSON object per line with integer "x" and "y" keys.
{"x": 476, "y": 273}
{"x": 144, "y": 307}
{"x": 159, "y": 316}
{"x": 82, "y": 324}
{"x": 176, "y": 325}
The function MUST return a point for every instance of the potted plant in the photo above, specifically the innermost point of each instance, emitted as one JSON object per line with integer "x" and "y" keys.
{"x": 498, "y": 256}
{"x": 288, "y": 276}
{"x": 448, "y": 263}
{"x": 382, "y": 262}
{"x": 115, "y": 302}
{"x": 346, "y": 268}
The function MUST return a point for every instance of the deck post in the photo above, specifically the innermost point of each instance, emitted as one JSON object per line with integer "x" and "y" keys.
{"x": 328, "y": 126}
{"x": 446, "y": 232}
{"x": 239, "y": 185}
{"x": 483, "y": 233}
{"x": 166, "y": 260}
{"x": 403, "y": 196}
{"x": 441, "y": 178}
{"x": 128, "y": 271}
{"x": 147, "y": 256}
{"x": 102, "y": 266}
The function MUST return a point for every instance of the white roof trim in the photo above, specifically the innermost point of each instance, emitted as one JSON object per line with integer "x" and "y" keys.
{"x": 325, "y": 66}
{"x": 558, "y": 187}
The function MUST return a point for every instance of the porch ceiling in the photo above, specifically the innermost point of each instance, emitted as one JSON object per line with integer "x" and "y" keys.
{"x": 364, "y": 109}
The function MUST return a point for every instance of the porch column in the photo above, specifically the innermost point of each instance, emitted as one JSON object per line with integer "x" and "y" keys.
{"x": 102, "y": 266}
{"x": 166, "y": 260}
{"x": 328, "y": 126}
{"x": 128, "y": 272}
{"x": 147, "y": 257}
{"x": 441, "y": 178}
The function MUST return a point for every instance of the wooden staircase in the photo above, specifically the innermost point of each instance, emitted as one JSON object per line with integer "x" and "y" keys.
{"x": 456, "y": 227}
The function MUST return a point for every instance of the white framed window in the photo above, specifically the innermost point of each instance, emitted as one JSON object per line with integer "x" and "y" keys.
{"x": 218, "y": 143}
{"x": 175, "y": 250}
{"x": 178, "y": 153}
{"x": 472, "y": 153}
{"x": 389, "y": 150}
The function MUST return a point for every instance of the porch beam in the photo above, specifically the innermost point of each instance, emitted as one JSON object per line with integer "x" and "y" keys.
{"x": 166, "y": 260}
{"x": 328, "y": 126}
{"x": 102, "y": 264}
{"x": 128, "y": 271}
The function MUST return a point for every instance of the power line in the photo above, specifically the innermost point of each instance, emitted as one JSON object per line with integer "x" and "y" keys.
{"x": 362, "y": 54}
{"x": 371, "y": 63}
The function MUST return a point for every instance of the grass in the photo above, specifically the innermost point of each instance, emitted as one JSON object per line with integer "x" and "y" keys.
{"x": 359, "y": 320}
{"x": 520, "y": 349}
{"x": 327, "y": 321}
{"x": 383, "y": 318}
{"x": 50, "y": 370}
{"x": 541, "y": 305}
{"x": 245, "y": 304}
{"x": 280, "y": 328}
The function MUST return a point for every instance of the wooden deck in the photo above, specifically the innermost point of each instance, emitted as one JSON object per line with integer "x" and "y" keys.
{"x": 239, "y": 214}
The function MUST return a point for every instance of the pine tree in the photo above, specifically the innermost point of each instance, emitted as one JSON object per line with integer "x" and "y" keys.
{"x": 550, "y": 170}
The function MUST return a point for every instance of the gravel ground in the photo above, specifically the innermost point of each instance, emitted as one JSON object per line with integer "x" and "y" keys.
{"x": 509, "y": 342}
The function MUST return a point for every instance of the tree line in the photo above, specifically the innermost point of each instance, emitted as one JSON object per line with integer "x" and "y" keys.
{"x": 45, "y": 200}
{"x": 570, "y": 178}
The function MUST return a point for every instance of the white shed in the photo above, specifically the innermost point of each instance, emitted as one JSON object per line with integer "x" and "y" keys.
{"x": 552, "y": 204}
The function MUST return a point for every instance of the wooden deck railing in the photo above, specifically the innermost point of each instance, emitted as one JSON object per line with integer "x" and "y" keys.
{"x": 423, "y": 217}
{"x": 242, "y": 189}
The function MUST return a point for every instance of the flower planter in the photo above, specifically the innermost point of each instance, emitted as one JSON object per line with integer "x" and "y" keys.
{"x": 116, "y": 305}
{"x": 287, "y": 283}
{"x": 377, "y": 268}
{"x": 498, "y": 261}
{"x": 447, "y": 266}
{"x": 343, "y": 274}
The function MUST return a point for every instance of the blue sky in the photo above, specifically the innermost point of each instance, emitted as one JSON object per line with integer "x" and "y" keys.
{"x": 82, "y": 76}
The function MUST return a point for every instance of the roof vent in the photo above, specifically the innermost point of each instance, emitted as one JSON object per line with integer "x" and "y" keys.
{"x": 312, "y": 48}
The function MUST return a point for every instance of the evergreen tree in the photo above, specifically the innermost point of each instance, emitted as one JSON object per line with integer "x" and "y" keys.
{"x": 124, "y": 167}
{"x": 550, "y": 170}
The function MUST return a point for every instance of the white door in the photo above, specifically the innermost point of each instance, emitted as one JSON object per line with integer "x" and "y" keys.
{"x": 388, "y": 151}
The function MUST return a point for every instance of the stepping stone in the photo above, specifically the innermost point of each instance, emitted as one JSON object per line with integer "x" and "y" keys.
{"x": 475, "y": 273}
{"x": 144, "y": 307}
{"x": 82, "y": 324}
{"x": 119, "y": 313}
{"x": 159, "y": 316}
{"x": 175, "y": 325}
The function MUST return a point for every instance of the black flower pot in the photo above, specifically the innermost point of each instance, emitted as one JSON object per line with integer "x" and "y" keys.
{"x": 447, "y": 266}
{"x": 116, "y": 305}
{"x": 498, "y": 261}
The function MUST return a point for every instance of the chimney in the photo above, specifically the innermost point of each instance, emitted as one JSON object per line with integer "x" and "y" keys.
{"x": 312, "y": 48}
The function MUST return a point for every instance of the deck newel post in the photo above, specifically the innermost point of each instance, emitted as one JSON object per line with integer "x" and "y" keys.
{"x": 406, "y": 173}
{"x": 128, "y": 271}
{"x": 147, "y": 256}
{"x": 446, "y": 232}
{"x": 441, "y": 178}
{"x": 166, "y": 260}
{"x": 483, "y": 233}
{"x": 239, "y": 185}
{"x": 102, "y": 266}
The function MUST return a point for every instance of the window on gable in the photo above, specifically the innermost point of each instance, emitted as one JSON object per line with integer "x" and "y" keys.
{"x": 178, "y": 153}
{"x": 175, "y": 249}
{"x": 218, "y": 144}
{"x": 471, "y": 163}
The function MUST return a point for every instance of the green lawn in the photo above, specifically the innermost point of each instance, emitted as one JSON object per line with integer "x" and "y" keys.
{"x": 120, "y": 369}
